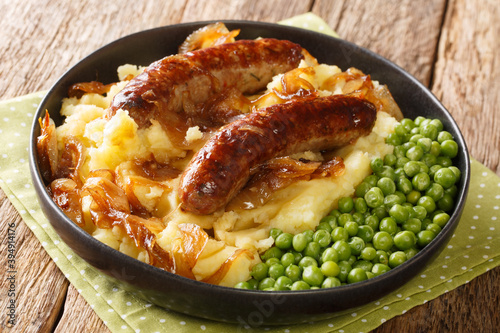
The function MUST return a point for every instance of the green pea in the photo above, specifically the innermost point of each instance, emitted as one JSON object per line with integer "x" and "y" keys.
{"x": 300, "y": 285}
{"x": 445, "y": 177}
{"x": 382, "y": 240}
{"x": 307, "y": 261}
{"x": 435, "y": 191}
{"x": 399, "y": 213}
{"x": 393, "y": 139}
{"x": 343, "y": 249}
{"x": 284, "y": 241}
{"x": 322, "y": 237}
{"x": 363, "y": 264}
{"x": 418, "y": 120}
{"x": 345, "y": 268}
{"x": 330, "y": 268}
{"x": 407, "y": 123}
{"x": 360, "y": 205}
{"x": 424, "y": 237}
{"x": 362, "y": 188}
{"x": 444, "y": 161}
{"x": 365, "y": 232}
{"x": 446, "y": 202}
{"x": 273, "y": 252}
{"x": 411, "y": 168}
{"x": 443, "y": 136}
{"x": 272, "y": 261}
{"x": 449, "y": 148}
{"x": 429, "y": 131}
{"x": 266, "y": 283}
{"x": 404, "y": 240}
{"x": 410, "y": 253}
{"x": 344, "y": 218}
{"x": 359, "y": 218}
{"x": 368, "y": 253}
{"x": 456, "y": 171}
{"x": 259, "y": 271}
{"x": 421, "y": 181}
{"x": 434, "y": 228}
{"x": 356, "y": 275}
{"x": 438, "y": 124}
{"x": 441, "y": 219}
{"x": 387, "y": 185}
{"x": 352, "y": 228}
{"x": 404, "y": 185}
{"x": 287, "y": 259}
{"x": 374, "y": 197}
{"x": 357, "y": 244}
{"x": 400, "y": 130}
{"x": 299, "y": 242}
{"x": 415, "y": 153}
{"x": 387, "y": 171}
{"x": 412, "y": 224}
{"x": 381, "y": 257}
{"x": 372, "y": 180}
{"x": 313, "y": 276}
{"x": 274, "y": 232}
{"x": 390, "y": 159}
{"x": 401, "y": 161}
{"x": 429, "y": 160}
{"x": 372, "y": 221}
{"x": 243, "y": 285}
{"x": 312, "y": 250}
{"x": 339, "y": 233}
{"x": 380, "y": 212}
{"x": 309, "y": 235}
{"x": 389, "y": 225}
{"x": 335, "y": 213}
{"x": 452, "y": 191}
{"x": 435, "y": 148}
{"x": 425, "y": 144}
{"x": 380, "y": 268}
{"x": 427, "y": 202}
{"x": 393, "y": 199}
{"x": 415, "y": 137}
{"x": 326, "y": 226}
{"x": 330, "y": 282}
{"x": 419, "y": 212}
{"x": 413, "y": 197}
{"x": 330, "y": 254}
{"x": 283, "y": 283}
{"x": 397, "y": 258}
{"x": 376, "y": 164}
{"x": 293, "y": 272}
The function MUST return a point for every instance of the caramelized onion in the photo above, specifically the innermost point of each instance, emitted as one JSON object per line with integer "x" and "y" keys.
{"x": 46, "y": 145}
{"x": 66, "y": 195}
{"x": 207, "y": 36}
{"x": 219, "y": 274}
{"x": 279, "y": 173}
{"x": 79, "y": 89}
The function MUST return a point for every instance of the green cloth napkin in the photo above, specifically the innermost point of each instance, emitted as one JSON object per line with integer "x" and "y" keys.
{"x": 473, "y": 249}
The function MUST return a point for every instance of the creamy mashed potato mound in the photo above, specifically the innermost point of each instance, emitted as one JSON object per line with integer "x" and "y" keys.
{"x": 116, "y": 143}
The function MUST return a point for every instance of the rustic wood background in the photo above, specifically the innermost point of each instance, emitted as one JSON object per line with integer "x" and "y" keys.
{"x": 450, "y": 46}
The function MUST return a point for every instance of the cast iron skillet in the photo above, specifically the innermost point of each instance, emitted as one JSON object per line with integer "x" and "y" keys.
{"x": 245, "y": 307}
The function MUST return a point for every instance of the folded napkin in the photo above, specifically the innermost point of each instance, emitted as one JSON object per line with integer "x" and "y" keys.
{"x": 473, "y": 249}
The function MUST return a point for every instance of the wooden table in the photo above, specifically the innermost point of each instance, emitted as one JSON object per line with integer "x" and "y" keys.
{"x": 450, "y": 46}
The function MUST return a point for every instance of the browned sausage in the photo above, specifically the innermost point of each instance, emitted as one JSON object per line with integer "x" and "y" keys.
{"x": 222, "y": 167}
{"x": 166, "y": 85}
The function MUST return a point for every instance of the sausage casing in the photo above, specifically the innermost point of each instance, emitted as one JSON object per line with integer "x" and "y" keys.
{"x": 162, "y": 89}
{"x": 222, "y": 166}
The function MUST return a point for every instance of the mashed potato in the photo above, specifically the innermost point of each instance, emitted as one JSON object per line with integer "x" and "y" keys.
{"x": 236, "y": 236}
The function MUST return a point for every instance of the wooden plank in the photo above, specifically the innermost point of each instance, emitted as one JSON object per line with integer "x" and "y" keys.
{"x": 392, "y": 29}
{"x": 39, "y": 286}
{"x": 78, "y": 316}
{"x": 467, "y": 72}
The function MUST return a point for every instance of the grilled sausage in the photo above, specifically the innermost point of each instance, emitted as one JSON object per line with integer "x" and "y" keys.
{"x": 222, "y": 167}
{"x": 166, "y": 85}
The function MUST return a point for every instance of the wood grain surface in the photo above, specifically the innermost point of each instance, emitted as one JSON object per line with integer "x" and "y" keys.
{"x": 450, "y": 46}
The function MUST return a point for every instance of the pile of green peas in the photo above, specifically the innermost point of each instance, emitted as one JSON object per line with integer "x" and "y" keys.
{"x": 395, "y": 212}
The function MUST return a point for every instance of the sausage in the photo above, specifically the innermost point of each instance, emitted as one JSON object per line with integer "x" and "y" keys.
{"x": 222, "y": 166}
{"x": 167, "y": 84}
